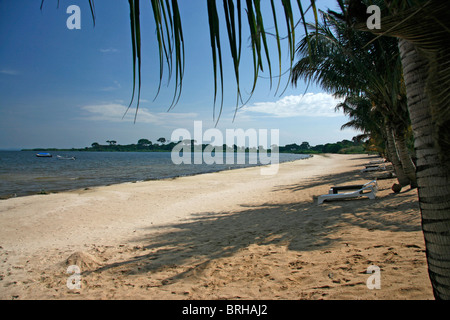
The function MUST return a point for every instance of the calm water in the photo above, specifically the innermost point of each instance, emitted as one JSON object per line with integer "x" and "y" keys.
{"x": 22, "y": 173}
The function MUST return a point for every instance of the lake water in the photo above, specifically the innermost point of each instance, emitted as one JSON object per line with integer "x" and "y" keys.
{"x": 22, "y": 173}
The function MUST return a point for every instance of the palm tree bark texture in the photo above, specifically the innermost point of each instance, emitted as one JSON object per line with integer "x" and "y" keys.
{"x": 433, "y": 176}
{"x": 423, "y": 31}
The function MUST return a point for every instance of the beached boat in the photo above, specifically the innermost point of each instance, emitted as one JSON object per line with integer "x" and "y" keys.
{"x": 65, "y": 158}
{"x": 43, "y": 155}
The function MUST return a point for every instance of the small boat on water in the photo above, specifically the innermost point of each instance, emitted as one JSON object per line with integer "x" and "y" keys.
{"x": 43, "y": 155}
{"x": 65, "y": 158}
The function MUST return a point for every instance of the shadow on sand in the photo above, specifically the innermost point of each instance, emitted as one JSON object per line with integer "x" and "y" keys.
{"x": 300, "y": 226}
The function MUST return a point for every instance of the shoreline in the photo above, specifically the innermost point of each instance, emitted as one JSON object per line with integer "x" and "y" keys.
{"x": 86, "y": 187}
{"x": 232, "y": 234}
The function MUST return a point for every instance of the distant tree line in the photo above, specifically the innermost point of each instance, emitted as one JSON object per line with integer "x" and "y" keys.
{"x": 162, "y": 145}
{"x": 142, "y": 145}
{"x": 344, "y": 146}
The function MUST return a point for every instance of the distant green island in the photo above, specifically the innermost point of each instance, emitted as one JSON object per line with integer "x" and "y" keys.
{"x": 145, "y": 145}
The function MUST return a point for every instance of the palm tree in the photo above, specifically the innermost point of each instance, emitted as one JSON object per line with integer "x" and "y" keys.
{"x": 372, "y": 123}
{"x": 423, "y": 29}
{"x": 341, "y": 67}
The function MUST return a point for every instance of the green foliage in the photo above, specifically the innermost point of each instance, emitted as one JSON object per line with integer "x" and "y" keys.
{"x": 145, "y": 145}
{"x": 357, "y": 66}
{"x": 344, "y": 146}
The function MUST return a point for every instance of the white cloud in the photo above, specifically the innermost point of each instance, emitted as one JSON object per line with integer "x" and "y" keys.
{"x": 117, "y": 112}
{"x": 308, "y": 105}
{"x": 109, "y": 50}
{"x": 112, "y": 88}
{"x": 10, "y": 72}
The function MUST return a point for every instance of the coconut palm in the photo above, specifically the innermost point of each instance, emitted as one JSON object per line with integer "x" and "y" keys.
{"x": 423, "y": 30}
{"x": 341, "y": 67}
{"x": 364, "y": 117}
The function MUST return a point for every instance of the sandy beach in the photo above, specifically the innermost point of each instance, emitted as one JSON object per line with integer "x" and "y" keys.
{"x": 233, "y": 234}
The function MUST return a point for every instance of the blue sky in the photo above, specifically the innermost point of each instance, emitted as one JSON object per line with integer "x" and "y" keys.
{"x": 69, "y": 88}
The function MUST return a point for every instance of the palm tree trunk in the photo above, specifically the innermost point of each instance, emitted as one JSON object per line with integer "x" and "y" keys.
{"x": 399, "y": 172}
{"x": 405, "y": 158}
{"x": 386, "y": 153}
{"x": 433, "y": 177}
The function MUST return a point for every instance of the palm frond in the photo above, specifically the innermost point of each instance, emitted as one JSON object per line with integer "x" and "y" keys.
{"x": 426, "y": 25}
{"x": 214, "y": 32}
{"x": 170, "y": 42}
{"x": 235, "y": 40}
{"x": 136, "y": 48}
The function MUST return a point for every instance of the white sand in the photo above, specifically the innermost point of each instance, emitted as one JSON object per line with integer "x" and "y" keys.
{"x": 227, "y": 235}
